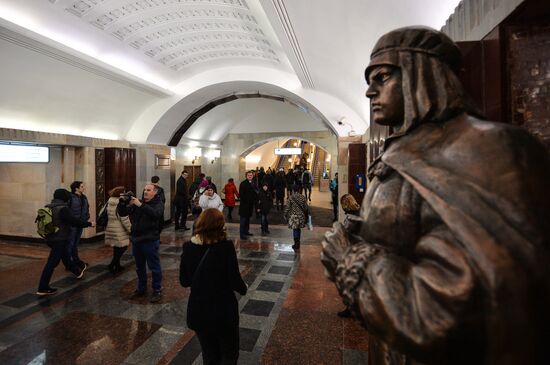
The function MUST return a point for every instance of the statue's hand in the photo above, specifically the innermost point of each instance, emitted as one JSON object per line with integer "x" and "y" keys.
{"x": 335, "y": 245}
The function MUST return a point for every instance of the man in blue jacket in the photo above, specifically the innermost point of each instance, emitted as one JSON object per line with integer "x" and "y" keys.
{"x": 145, "y": 237}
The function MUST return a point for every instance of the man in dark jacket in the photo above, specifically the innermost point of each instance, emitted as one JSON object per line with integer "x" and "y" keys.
{"x": 81, "y": 210}
{"x": 289, "y": 182}
{"x": 181, "y": 202}
{"x": 280, "y": 186}
{"x": 145, "y": 238}
{"x": 160, "y": 192}
{"x": 249, "y": 196}
{"x": 59, "y": 241}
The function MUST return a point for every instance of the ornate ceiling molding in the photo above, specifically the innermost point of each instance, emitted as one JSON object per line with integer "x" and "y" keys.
{"x": 180, "y": 33}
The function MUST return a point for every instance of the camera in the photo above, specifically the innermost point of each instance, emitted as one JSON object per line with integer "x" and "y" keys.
{"x": 126, "y": 197}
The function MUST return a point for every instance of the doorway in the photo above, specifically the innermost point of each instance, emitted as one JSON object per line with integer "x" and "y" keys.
{"x": 193, "y": 171}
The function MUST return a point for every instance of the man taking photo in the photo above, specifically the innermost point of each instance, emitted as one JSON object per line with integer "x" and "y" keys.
{"x": 145, "y": 237}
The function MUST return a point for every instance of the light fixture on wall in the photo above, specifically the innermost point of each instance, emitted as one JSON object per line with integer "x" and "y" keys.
{"x": 214, "y": 155}
{"x": 194, "y": 152}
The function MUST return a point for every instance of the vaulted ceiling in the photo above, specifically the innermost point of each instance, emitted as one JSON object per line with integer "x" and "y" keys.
{"x": 136, "y": 69}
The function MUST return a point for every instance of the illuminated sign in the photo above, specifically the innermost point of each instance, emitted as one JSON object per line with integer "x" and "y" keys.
{"x": 21, "y": 153}
{"x": 288, "y": 151}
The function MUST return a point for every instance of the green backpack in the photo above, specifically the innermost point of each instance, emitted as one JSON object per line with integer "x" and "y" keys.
{"x": 44, "y": 222}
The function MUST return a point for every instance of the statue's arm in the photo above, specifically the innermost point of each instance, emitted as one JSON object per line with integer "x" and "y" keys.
{"x": 413, "y": 305}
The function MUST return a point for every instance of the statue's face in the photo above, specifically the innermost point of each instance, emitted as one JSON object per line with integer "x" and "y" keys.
{"x": 386, "y": 96}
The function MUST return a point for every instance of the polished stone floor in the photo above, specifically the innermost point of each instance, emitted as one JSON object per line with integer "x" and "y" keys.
{"x": 287, "y": 317}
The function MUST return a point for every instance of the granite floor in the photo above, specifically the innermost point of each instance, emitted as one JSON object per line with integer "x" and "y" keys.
{"x": 287, "y": 317}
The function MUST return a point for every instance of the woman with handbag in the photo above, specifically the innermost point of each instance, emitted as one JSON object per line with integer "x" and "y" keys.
{"x": 209, "y": 266}
{"x": 117, "y": 232}
{"x": 296, "y": 213}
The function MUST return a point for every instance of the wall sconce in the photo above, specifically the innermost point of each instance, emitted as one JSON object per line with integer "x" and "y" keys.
{"x": 214, "y": 155}
{"x": 195, "y": 153}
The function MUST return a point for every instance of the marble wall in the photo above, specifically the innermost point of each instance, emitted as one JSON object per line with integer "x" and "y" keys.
{"x": 27, "y": 187}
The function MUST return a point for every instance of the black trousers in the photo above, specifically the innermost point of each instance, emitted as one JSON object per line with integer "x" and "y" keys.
{"x": 181, "y": 215}
{"x": 117, "y": 254}
{"x": 219, "y": 346}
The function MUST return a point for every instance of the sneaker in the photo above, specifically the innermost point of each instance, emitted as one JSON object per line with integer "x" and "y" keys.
{"x": 82, "y": 271}
{"x": 156, "y": 297}
{"x": 138, "y": 294}
{"x": 49, "y": 291}
{"x": 249, "y": 234}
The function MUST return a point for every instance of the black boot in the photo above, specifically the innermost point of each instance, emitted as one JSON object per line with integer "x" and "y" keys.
{"x": 296, "y": 245}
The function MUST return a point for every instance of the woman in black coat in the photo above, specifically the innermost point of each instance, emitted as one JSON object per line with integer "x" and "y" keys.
{"x": 209, "y": 266}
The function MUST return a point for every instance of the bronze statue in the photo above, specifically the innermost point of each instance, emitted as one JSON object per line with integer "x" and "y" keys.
{"x": 448, "y": 263}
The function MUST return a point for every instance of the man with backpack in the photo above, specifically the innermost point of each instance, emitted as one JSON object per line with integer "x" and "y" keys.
{"x": 57, "y": 234}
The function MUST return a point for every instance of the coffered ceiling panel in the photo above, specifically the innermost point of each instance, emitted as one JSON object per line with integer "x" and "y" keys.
{"x": 180, "y": 33}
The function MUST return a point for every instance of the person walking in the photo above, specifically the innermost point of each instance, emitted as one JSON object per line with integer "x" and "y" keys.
{"x": 289, "y": 182}
{"x": 280, "y": 186}
{"x": 334, "y": 190}
{"x": 265, "y": 203}
{"x": 80, "y": 209}
{"x": 117, "y": 232}
{"x": 249, "y": 197}
{"x": 296, "y": 213}
{"x": 231, "y": 192}
{"x": 210, "y": 268}
{"x": 306, "y": 183}
{"x": 58, "y": 242}
{"x": 210, "y": 199}
{"x": 181, "y": 202}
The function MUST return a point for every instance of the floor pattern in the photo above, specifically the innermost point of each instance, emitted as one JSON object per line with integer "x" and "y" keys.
{"x": 288, "y": 315}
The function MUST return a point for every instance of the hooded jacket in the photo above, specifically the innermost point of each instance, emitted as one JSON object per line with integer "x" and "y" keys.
{"x": 64, "y": 219}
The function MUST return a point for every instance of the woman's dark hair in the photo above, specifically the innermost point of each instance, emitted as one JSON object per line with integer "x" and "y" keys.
{"x": 116, "y": 191}
{"x": 210, "y": 226}
{"x": 230, "y": 180}
{"x": 155, "y": 179}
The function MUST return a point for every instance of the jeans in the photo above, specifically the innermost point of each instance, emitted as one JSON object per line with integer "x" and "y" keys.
{"x": 307, "y": 187}
{"x": 264, "y": 223}
{"x": 59, "y": 252}
{"x": 296, "y": 233}
{"x": 147, "y": 252}
{"x": 219, "y": 346}
{"x": 74, "y": 240}
{"x": 244, "y": 226}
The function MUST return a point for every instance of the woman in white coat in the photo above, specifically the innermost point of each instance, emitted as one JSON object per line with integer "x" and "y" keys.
{"x": 210, "y": 199}
{"x": 117, "y": 232}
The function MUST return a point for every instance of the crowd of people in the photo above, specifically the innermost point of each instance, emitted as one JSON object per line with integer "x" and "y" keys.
{"x": 209, "y": 262}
